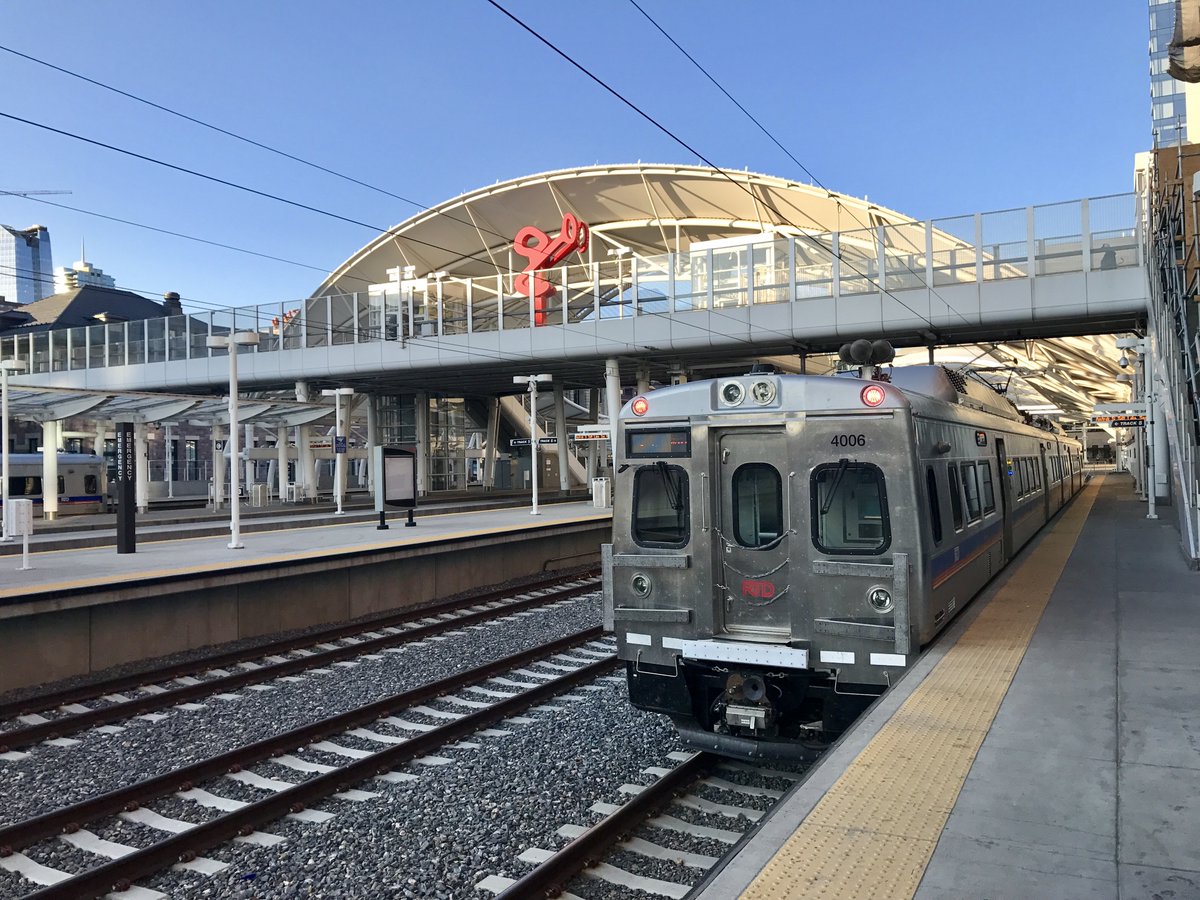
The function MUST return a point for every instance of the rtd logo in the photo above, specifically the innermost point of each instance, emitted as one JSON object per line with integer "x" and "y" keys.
{"x": 763, "y": 590}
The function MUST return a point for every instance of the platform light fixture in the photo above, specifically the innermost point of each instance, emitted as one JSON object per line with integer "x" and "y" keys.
{"x": 6, "y": 366}
{"x": 339, "y": 457}
{"x": 532, "y": 381}
{"x": 232, "y": 342}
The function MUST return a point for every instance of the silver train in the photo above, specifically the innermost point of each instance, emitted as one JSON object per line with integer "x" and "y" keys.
{"x": 783, "y": 546}
{"x": 81, "y": 481}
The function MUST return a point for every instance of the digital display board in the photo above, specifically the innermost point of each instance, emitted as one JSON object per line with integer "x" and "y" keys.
{"x": 642, "y": 444}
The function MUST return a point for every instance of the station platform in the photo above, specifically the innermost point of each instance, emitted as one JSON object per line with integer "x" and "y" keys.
{"x": 1048, "y": 746}
{"x": 77, "y": 611}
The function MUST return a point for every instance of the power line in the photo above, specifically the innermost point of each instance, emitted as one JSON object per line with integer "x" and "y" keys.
{"x": 658, "y": 125}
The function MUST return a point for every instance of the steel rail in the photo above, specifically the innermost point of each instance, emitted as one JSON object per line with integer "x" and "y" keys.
{"x": 551, "y": 876}
{"x": 70, "y": 818}
{"x": 50, "y": 700}
{"x": 32, "y": 734}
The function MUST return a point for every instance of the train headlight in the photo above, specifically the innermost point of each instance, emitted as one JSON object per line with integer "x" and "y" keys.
{"x": 732, "y": 393}
{"x": 763, "y": 392}
{"x": 880, "y": 599}
{"x": 642, "y": 585}
{"x": 872, "y": 395}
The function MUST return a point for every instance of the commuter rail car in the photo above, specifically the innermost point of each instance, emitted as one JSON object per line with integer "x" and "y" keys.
{"x": 784, "y": 545}
{"x": 81, "y": 478}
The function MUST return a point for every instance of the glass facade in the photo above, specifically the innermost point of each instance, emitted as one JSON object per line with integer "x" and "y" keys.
{"x": 26, "y": 269}
{"x": 1168, "y": 114}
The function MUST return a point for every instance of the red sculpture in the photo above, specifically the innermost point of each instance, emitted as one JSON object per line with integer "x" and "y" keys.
{"x": 542, "y": 253}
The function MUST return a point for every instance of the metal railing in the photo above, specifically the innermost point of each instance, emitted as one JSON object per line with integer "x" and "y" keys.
{"x": 1077, "y": 236}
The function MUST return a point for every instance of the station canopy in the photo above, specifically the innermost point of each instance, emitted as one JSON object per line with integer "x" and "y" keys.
{"x": 48, "y": 404}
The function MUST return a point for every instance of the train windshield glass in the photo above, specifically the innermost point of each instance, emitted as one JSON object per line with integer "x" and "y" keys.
{"x": 660, "y": 506}
{"x": 758, "y": 505}
{"x": 849, "y": 508}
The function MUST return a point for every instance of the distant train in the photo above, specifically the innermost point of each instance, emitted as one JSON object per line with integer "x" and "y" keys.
{"x": 81, "y": 478}
{"x": 783, "y": 546}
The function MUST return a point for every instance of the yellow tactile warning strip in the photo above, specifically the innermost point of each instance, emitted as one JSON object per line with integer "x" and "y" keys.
{"x": 873, "y": 833}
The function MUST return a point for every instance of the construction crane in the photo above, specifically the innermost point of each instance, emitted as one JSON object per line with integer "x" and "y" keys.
{"x": 31, "y": 193}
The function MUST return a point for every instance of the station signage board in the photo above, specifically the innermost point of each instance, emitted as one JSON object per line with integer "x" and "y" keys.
{"x": 590, "y": 436}
{"x": 1119, "y": 420}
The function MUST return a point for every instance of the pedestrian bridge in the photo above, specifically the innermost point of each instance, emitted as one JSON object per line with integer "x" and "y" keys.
{"x": 1067, "y": 268}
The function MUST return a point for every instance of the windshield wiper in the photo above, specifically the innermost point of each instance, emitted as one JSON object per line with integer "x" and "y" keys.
{"x": 672, "y": 489}
{"x": 843, "y": 464}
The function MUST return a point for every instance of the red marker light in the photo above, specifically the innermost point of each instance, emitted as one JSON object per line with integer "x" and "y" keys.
{"x": 873, "y": 395}
{"x": 640, "y": 406}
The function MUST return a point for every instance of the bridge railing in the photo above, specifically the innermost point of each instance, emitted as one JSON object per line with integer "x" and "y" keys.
{"x": 1077, "y": 236}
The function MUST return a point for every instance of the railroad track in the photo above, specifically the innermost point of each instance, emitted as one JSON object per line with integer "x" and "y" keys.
{"x": 587, "y": 848}
{"x": 240, "y": 819}
{"x": 262, "y": 663}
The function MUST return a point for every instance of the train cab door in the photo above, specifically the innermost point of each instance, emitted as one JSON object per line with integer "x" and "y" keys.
{"x": 1005, "y": 464}
{"x": 752, "y": 577}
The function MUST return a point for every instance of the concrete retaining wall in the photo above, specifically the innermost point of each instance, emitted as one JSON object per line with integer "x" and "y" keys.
{"x": 66, "y": 636}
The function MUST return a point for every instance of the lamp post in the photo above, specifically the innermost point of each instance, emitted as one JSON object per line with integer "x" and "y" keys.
{"x": 231, "y": 342}
{"x": 532, "y": 381}
{"x": 6, "y": 366}
{"x": 339, "y": 455}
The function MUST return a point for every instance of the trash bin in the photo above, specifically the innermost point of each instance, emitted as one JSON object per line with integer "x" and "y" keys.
{"x": 260, "y": 495}
{"x": 602, "y": 493}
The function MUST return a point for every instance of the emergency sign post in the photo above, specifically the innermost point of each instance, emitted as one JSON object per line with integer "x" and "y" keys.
{"x": 126, "y": 477}
{"x": 21, "y": 524}
{"x": 396, "y": 483}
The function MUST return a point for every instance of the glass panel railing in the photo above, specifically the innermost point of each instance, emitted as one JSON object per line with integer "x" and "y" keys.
{"x": 224, "y": 322}
{"x": 199, "y": 328}
{"x": 954, "y": 253}
{"x": 1005, "y": 245}
{"x": 177, "y": 338}
{"x": 315, "y": 319}
{"x": 690, "y": 294}
{"x": 1114, "y": 232}
{"x": 135, "y": 334}
{"x": 77, "y": 341}
{"x": 859, "y": 262}
{"x": 40, "y": 360}
{"x": 485, "y": 303}
{"x": 116, "y": 343}
{"x": 342, "y": 310}
{"x": 156, "y": 340}
{"x": 581, "y": 294}
{"x": 904, "y": 255}
{"x": 97, "y": 353}
{"x": 1058, "y": 238}
{"x": 368, "y": 313}
{"x": 652, "y": 291}
{"x": 814, "y": 267}
{"x": 59, "y": 356}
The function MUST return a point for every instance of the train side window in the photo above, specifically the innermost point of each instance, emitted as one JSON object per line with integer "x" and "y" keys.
{"x": 1037, "y": 474}
{"x": 757, "y": 492}
{"x": 971, "y": 489}
{"x": 956, "y": 509}
{"x": 935, "y": 509}
{"x": 24, "y": 485}
{"x": 1022, "y": 475}
{"x": 62, "y": 485}
{"x": 985, "y": 484}
{"x": 849, "y": 508}
{"x": 91, "y": 484}
{"x": 660, "y": 506}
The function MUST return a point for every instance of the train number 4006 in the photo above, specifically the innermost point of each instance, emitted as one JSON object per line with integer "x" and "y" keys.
{"x": 849, "y": 440}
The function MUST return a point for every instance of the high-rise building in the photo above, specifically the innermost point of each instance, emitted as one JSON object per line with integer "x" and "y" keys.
{"x": 79, "y": 274}
{"x": 1168, "y": 108}
{"x": 26, "y": 269}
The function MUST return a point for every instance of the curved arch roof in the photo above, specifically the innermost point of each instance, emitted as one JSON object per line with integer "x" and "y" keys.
{"x": 649, "y": 208}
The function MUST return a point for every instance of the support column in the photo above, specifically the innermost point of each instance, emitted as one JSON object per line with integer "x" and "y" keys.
{"x": 246, "y": 448}
{"x": 422, "y": 417}
{"x": 372, "y": 441}
{"x": 218, "y": 466}
{"x": 560, "y": 432}
{"x": 612, "y": 400}
{"x": 491, "y": 452}
{"x": 141, "y": 461}
{"x": 98, "y": 441}
{"x": 643, "y": 381}
{"x": 169, "y": 453}
{"x": 305, "y": 479}
{"x": 281, "y": 460}
{"x": 50, "y": 471}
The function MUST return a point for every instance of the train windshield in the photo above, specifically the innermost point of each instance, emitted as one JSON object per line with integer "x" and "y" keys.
{"x": 758, "y": 505}
{"x": 849, "y": 508}
{"x": 660, "y": 506}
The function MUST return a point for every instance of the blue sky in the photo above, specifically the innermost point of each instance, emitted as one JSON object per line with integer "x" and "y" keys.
{"x": 930, "y": 108}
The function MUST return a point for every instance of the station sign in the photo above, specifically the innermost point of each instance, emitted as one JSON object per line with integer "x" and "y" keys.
{"x": 549, "y": 440}
{"x": 520, "y": 442}
{"x": 1117, "y": 421}
{"x": 339, "y": 444}
{"x": 590, "y": 436}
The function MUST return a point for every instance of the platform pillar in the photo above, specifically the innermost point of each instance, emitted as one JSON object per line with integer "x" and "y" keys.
{"x": 612, "y": 400}
{"x": 372, "y": 442}
{"x": 560, "y": 432}
{"x": 50, "y": 470}
{"x": 281, "y": 460}
{"x": 305, "y": 478}
{"x": 421, "y": 402}
{"x": 491, "y": 453}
